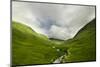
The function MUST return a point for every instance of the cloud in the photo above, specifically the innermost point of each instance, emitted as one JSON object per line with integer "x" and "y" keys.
{"x": 59, "y": 32}
{"x": 52, "y": 20}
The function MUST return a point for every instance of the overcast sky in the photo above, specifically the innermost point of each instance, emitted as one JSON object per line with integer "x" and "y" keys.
{"x": 53, "y": 20}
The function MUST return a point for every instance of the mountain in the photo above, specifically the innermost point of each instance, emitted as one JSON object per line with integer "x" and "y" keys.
{"x": 83, "y": 46}
{"x": 29, "y": 47}
{"x": 56, "y": 41}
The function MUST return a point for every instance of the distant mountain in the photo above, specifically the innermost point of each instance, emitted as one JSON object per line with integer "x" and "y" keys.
{"x": 55, "y": 39}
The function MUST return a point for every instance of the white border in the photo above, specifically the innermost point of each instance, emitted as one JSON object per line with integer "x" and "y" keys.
{"x": 5, "y": 33}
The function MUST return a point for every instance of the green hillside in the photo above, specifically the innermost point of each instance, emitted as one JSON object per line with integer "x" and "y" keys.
{"x": 29, "y": 47}
{"x": 83, "y": 46}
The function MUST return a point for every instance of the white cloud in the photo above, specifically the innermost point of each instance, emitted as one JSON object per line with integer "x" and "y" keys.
{"x": 55, "y": 21}
{"x": 59, "y": 32}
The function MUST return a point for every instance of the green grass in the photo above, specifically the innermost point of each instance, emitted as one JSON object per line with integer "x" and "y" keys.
{"x": 29, "y": 47}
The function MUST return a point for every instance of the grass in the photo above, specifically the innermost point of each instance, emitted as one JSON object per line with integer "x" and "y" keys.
{"x": 29, "y": 47}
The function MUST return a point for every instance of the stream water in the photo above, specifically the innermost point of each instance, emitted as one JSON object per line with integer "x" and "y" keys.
{"x": 58, "y": 60}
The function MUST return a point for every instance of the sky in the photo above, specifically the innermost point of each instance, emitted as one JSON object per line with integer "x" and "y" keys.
{"x": 53, "y": 20}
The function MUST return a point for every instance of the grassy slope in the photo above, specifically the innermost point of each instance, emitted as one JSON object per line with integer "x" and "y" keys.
{"x": 83, "y": 46}
{"x": 30, "y": 47}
